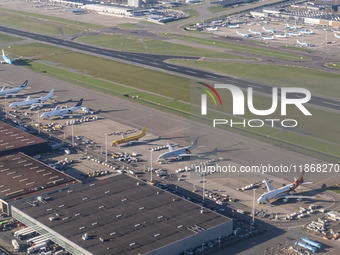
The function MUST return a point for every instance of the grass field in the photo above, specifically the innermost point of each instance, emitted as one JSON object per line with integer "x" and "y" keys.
{"x": 128, "y": 26}
{"x": 121, "y": 79}
{"x": 129, "y": 43}
{"x": 218, "y": 8}
{"x": 237, "y": 47}
{"x": 192, "y": 12}
{"x": 50, "y": 18}
{"x": 334, "y": 65}
{"x": 8, "y": 39}
{"x": 316, "y": 81}
{"x": 38, "y": 25}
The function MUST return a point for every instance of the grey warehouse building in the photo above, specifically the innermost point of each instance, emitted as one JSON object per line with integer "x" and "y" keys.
{"x": 122, "y": 215}
{"x": 14, "y": 140}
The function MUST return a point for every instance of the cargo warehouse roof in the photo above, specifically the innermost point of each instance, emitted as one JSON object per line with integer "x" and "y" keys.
{"x": 22, "y": 176}
{"x": 127, "y": 215}
{"x": 13, "y": 140}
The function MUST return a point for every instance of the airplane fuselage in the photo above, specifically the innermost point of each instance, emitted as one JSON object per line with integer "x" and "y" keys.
{"x": 173, "y": 154}
{"x": 274, "y": 194}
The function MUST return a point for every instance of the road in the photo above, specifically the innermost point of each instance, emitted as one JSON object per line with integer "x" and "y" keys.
{"x": 157, "y": 62}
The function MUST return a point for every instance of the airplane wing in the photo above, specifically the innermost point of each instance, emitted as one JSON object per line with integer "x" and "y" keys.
{"x": 269, "y": 186}
{"x": 188, "y": 155}
{"x": 170, "y": 147}
{"x": 299, "y": 198}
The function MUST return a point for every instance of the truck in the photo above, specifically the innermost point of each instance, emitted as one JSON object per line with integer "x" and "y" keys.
{"x": 36, "y": 247}
{"x": 15, "y": 245}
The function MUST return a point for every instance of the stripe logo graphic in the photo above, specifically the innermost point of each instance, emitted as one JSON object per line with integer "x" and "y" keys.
{"x": 204, "y": 97}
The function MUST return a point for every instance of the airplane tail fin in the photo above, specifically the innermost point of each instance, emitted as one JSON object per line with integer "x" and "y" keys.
{"x": 3, "y": 53}
{"x": 144, "y": 130}
{"x": 24, "y": 85}
{"x": 28, "y": 98}
{"x": 79, "y": 103}
{"x": 194, "y": 143}
{"x": 3, "y": 88}
{"x": 50, "y": 94}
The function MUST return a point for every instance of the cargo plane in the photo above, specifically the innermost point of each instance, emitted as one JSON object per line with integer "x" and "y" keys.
{"x": 283, "y": 192}
{"x": 179, "y": 153}
{"x": 13, "y": 92}
{"x": 33, "y": 101}
{"x": 57, "y": 112}
{"x": 130, "y": 139}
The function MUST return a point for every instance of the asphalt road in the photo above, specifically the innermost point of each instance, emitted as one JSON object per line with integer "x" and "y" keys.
{"x": 157, "y": 61}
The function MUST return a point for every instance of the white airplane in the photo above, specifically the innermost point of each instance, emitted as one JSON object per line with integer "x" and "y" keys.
{"x": 62, "y": 112}
{"x": 267, "y": 38}
{"x": 33, "y": 101}
{"x": 179, "y": 153}
{"x": 242, "y": 34}
{"x": 234, "y": 26}
{"x": 303, "y": 43}
{"x": 268, "y": 30}
{"x": 212, "y": 28}
{"x": 255, "y": 32}
{"x": 6, "y": 59}
{"x": 306, "y": 32}
{"x": 13, "y": 92}
{"x": 337, "y": 36}
{"x": 281, "y": 36}
{"x": 283, "y": 192}
{"x": 294, "y": 34}
{"x": 291, "y": 27}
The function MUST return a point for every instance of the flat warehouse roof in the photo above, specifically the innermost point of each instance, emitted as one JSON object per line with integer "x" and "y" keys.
{"x": 22, "y": 176}
{"x": 12, "y": 138}
{"x": 131, "y": 218}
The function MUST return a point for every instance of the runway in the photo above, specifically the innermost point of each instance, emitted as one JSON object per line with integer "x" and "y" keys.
{"x": 157, "y": 62}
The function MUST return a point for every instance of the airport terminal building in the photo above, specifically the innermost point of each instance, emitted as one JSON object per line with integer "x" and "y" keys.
{"x": 122, "y": 215}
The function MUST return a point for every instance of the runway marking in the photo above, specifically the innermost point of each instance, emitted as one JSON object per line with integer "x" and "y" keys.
{"x": 256, "y": 86}
{"x": 330, "y": 103}
{"x": 121, "y": 56}
{"x": 207, "y": 75}
{"x": 137, "y": 59}
{"x": 172, "y": 67}
{"x": 188, "y": 71}
{"x": 156, "y": 63}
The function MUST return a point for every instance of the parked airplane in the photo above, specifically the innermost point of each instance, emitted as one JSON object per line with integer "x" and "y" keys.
{"x": 294, "y": 34}
{"x": 179, "y": 153}
{"x": 212, "y": 28}
{"x": 337, "y": 36}
{"x": 234, "y": 26}
{"x": 130, "y": 139}
{"x": 303, "y": 43}
{"x": 33, "y": 101}
{"x": 268, "y": 30}
{"x": 7, "y": 59}
{"x": 267, "y": 38}
{"x": 283, "y": 192}
{"x": 13, "y": 92}
{"x": 242, "y": 34}
{"x": 255, "y": 32}
{"x": 57, "y": 112}
{"x": 291, "y": 27}
{"x": 306, "y": 32}
{"x": 281, "y": 36}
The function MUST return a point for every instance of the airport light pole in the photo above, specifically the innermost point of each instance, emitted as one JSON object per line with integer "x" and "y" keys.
{"x": 72, "y": 135}
{"x": 151, "y": 164}
{"x": 6, "y": 107}
{"x": 38, "y": 121}
{"x": 253, "y": 216}
{"x": 106, "y": 147}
